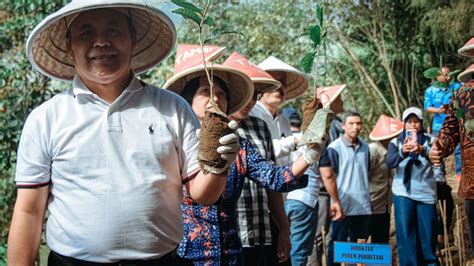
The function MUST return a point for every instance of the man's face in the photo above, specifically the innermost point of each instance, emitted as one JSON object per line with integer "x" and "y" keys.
{"x": 352, "y": 126}
{"x": 101, "y": 44}
{"x": 444, "y": 78}
{"x": 244, "y": 112}
{"x": 274, "y": 98}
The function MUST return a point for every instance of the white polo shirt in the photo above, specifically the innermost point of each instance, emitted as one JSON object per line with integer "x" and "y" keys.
{"x": 115, "y": 170}
{"x": 279, "y": 127}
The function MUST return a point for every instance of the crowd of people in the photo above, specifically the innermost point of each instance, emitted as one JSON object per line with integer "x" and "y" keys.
{"x": 126, "y": 177}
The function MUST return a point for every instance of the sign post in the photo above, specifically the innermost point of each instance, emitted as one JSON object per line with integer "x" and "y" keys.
{"x": 370, "y": 254}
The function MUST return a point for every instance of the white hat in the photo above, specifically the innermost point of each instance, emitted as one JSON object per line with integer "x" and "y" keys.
{"x": 189, "y": 65}
{"x": 412, "y": 110}
{"x": 295, "y": 82}
{"x": 468, "y": 48}
{"x": 47, "y": 44}
{"x": 466, "y": 75}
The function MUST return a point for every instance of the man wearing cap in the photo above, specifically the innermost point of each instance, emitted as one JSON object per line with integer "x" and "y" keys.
{"x": 347, "y": 160}
{"x": 383, "y": 132}
{"x": 108, "y": 156}
{"x": 458, "y": 127}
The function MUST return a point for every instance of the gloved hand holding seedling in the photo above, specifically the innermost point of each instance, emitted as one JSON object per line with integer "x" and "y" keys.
{"x": 316, "y": 119}
{"x": 219, "y": 143}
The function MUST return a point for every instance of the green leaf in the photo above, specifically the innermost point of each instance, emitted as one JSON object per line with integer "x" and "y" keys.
{"x": 187, "y": 6}
{"x": 209, "y": 21}
{"x": 319, "y": 14}
{"x": 307, "y": 62}
{"x": 460, "y": 113}
{"x": 315, "y": 34}
{"x": 187, "y": 14}
{"x": 219, "y": 32}
{"x": 454, "y": 73}
{"x": 432, "y": 73}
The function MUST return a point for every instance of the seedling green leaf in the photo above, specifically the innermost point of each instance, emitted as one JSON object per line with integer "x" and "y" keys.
{"x": 432, "y": 73}
{"x": 188, "y": 14}
{"x": 319, "y": 14}
{"x": 219, "y": 32}
{"x": 187, "y": 6}
{"x": 209, "y": 21}
{"x": 315, "y": 34}
{"x": 307, "y": 62}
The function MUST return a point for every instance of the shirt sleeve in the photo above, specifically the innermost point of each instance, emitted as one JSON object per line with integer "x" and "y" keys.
{"x": 188, "y": 157}
{"x": 330, "y": 158}
{"x": 394, "y": 155}
{"x": 33, "y": 168}
{"x": 449, "y": 133}
{"x": 284, "y": 146}
{"x": 428, "y": 99}
{"x": 266, "y": 174}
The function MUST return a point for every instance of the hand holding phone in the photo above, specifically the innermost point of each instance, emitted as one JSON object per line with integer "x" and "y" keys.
{"x": 411, "y": 137}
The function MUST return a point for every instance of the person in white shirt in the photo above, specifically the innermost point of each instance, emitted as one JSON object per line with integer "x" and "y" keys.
{"x": 293, "y": 84}
{"x": 109, "y": 156}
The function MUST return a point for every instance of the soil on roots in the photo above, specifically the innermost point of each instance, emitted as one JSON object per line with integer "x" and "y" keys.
{"x": 213, "y": 127}
{"x": 309, "y": 110}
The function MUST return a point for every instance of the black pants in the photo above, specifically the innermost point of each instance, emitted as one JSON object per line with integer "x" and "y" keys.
{"x": 469, "y": 208}
{"x": 256, "y": 256}
{"x": 443, "y": 193}
{"x": 171, "y": 259}
{"x": 272, "y": 258}
{"x": 379, "y": 228}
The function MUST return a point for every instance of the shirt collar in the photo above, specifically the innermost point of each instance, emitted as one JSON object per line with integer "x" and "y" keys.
{"x": 348, "y": 143}
{"x": 79, "y": 87}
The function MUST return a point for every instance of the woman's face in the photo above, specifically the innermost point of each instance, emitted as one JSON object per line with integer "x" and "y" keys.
{"x": 202, "y": 98}
{"x": 413, "y": 123}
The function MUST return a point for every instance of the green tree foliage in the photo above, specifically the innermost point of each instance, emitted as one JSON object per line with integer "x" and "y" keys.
{"x": 21, "y": 90}
{"x": 378, "y": 48}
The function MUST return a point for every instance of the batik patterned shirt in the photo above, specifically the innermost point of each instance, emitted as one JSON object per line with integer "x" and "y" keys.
{"x": 457, "y": 128}
{"x": 211, "y": 232}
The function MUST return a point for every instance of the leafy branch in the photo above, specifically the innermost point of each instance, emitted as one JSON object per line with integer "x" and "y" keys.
{"x": 316, "y": 34}
{"x": 201, "y": 17}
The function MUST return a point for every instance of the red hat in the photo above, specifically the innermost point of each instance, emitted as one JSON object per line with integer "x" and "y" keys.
{"x": 189, "y": 64}
{"x": 327, "y": 95}
{"x": 263, "y": 81}
{"x": 294, "y": 83}
{"x": 465, "y": 76}
{"x": 467, "y": 49}
{"x": 386, "y": 128}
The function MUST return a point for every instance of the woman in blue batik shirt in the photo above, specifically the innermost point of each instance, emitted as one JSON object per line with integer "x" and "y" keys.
{"x": 210, "y": 232}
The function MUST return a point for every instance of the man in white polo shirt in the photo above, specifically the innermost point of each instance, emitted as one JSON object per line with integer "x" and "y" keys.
{"x": 108, "y": 156}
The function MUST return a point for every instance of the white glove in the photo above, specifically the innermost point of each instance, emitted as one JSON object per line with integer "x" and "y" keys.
{"x": 311, "y": 156}
{"x": 228, "y": 150}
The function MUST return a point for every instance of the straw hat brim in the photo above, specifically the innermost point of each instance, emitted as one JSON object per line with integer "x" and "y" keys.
{"x": 263, "y": 85}
{"x": 47, "y": 44}
{"x": 295, "y": 84}
{"x": 467, "y": 50}
{"x": 240, "y": 86}
{"x": 389, "y": 136}
{"x": 335, "y": 95}
{"x": 465, "y": 76}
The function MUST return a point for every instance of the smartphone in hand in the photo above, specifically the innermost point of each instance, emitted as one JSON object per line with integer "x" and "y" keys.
{"x": 412, "y": 137}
